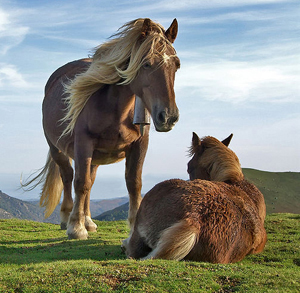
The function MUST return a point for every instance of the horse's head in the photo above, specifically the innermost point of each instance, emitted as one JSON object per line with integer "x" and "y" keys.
{"x": 154, "y": 81}
{"x": 213, "y": 160}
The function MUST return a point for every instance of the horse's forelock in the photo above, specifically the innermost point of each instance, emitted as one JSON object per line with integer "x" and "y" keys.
{"x": 129, "y": 48}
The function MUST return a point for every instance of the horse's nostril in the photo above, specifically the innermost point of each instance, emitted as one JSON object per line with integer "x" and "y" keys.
{"x": 162, "y": 117}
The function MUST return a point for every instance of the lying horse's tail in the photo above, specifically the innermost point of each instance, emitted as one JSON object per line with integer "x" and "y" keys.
{"x": 52, "y": 185}
{"x": 176, "y": 241}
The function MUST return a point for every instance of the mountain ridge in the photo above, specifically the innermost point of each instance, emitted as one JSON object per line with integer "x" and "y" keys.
{"x": 280, "y": 189}
{"x": 11, "y": 207}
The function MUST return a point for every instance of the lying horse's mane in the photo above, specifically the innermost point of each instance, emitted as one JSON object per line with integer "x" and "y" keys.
{"x": 220, "y": 162}
{"x": 115, "y": 61}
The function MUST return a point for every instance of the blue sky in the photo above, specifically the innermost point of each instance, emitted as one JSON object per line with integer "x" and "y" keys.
{"x": 239, "y": 74}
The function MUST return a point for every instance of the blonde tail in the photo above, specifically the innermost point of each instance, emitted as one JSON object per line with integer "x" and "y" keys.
{"x": 52, "y": 185}
{"x": 175, "y": 242}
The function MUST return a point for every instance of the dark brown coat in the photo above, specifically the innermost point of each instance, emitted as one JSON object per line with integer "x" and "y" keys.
{"x": 200, "y": 220}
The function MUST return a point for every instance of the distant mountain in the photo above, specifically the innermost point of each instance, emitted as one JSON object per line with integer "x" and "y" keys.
{"x": 11, "y": 207}
{"x": 281, "y": 191}
{"x": 116, "y": 214}
{"x": 14, "y": 208}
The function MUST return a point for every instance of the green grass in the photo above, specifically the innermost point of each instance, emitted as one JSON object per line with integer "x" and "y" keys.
{"x": 37, "y": 257}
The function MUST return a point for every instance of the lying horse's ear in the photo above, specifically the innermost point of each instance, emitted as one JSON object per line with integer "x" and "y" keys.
{"x": 227, "y": 140}
{"x": 195, "y": 141}
{"x": 171, "y": 32}
{"x": 146, "y": 28}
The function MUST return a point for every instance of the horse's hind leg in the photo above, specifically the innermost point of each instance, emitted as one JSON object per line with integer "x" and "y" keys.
{"x": 66, "y": 172}
{"x": 89, "y": 224}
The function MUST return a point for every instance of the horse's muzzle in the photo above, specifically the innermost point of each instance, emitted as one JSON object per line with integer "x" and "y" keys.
{"x": 164, "y": 121}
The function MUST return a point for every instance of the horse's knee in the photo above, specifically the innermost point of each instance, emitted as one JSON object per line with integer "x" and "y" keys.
{"x": 82, "y": 186}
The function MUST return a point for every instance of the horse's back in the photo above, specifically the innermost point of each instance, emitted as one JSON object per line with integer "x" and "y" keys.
{"x": 68, "y": 71}
{"x": 54, "y": 104}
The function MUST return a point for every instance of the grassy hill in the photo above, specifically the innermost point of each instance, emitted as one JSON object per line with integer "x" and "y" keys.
{"x": 37, "y": 257}
{"x": 280, "y": 189}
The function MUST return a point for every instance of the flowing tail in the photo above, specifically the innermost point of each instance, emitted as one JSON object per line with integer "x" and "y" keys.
{"x": 175, "y": 242}
{"x": 52, "y": 185}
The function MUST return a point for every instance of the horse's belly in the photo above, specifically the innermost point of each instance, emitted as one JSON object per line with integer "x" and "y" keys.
{"x": 102, "y": 157}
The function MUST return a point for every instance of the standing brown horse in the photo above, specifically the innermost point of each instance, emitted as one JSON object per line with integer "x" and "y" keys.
{"x": 219, "y": 219}
{"x": 88, "y": 117}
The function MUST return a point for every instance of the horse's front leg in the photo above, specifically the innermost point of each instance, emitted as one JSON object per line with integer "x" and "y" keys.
{"x": 135, "y": 157}
{"x": 89, "y": 224}
{"x": 83, "y": 151}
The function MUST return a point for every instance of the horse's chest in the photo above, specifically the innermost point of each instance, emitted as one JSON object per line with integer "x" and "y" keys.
{"x": 111, "y": 147}
{"x": 105, "y": 157}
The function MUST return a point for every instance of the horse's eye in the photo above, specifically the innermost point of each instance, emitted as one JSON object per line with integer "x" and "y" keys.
{"x": 147, "y": 65}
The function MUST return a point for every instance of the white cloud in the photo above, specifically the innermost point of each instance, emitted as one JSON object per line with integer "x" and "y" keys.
{"x": 235, "y": 81}
{"x": 11, "y": 77}
{"x": 3, "y": 20}
{"x": 11, "y": 33}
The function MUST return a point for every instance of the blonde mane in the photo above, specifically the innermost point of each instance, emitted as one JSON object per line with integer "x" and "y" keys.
{"x": 114, "y": 62}
{"x": 221, "y": 163}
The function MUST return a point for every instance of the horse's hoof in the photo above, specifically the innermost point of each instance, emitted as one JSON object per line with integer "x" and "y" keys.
{"x": 63, "y": 226}
{"x": 90, "y": 225}
{"x": 80, "y": 234}
{"x": 124, "y": 246}
{"x": 77, "y": 236}
{"x": 91, "y": 228}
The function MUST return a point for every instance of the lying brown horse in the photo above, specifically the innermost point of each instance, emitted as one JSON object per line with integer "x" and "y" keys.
{"x": 88, "y": 114}
{"x": 219, "y": 219}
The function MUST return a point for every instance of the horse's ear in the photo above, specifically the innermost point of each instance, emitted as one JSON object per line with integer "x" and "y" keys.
{"x": 195, "y": 141}
{"x": 227, "y": 140}
{"x": 146, "y": 28}
{"x": 171, "y": 32}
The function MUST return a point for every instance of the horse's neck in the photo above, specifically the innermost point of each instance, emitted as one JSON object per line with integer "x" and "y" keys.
{"x": 120, "y": 97}
{"x": 117, "y": 102}
{"x": 119, "y": 91}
